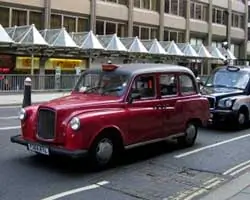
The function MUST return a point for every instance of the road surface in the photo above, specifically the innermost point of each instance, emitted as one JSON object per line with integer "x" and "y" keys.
{"x": 159, "y": 171}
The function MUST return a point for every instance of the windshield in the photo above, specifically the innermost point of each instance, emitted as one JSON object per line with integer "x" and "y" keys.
{"x": 228, "y": 79}
{"x": 104, "y": 83}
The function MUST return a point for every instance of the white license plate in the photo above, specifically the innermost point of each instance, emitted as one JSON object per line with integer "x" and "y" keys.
{"x": 38, "y": 149}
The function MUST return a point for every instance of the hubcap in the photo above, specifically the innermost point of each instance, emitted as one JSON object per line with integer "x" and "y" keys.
{"x": 104, "y": 150}
{"x": 241, "y": 118}
{"x": 190, "y": 132}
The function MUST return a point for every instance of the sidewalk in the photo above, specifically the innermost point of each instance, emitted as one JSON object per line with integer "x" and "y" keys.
{"x": 236, "y": 189}
{"x": 17, "y": 99}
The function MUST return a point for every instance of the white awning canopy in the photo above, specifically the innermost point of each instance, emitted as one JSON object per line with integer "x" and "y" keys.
{"x": 26, "y": 35}
{"x": 4, "y": 37}
{"x": 111, "y": 42}
{"x": 58, "y": 38}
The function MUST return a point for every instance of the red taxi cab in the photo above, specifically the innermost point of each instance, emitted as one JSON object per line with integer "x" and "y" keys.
{"x": 116, "y": 107}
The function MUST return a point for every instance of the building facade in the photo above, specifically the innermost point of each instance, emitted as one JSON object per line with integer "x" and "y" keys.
{"x": 210, "y": 22}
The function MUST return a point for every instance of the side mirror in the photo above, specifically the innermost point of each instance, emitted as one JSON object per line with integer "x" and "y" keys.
{"x": 133, "y": 97}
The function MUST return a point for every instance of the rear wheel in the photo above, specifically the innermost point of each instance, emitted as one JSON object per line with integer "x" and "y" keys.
{"x": 189, "y": 138}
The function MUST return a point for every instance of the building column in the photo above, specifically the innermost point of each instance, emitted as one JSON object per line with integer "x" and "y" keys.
{"x": 130, "y": 17}
{"x": 187, "y": 34}
{"x": 243, "y": 46}
{"x": 210, "y": 24}
{"x": 93, "y": 16}
{"x": 161, "y": 22}
{"x": 47, "y": 13}
{"x": 229, "y": 23}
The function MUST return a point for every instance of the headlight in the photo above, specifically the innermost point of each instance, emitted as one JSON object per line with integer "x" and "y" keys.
{"x": 22, "y": 114}
{"x": 228, "y": 103}
{"x": 75, "y": 123}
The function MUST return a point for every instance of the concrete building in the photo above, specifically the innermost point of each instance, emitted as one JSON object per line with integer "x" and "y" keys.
{"x": 208, "y": 21}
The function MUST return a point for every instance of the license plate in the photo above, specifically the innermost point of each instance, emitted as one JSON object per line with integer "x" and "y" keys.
{"x": 38, "y": 149}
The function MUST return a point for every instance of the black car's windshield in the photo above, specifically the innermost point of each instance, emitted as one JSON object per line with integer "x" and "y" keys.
{"x": 228, "y": 79}
{"x": 104, "y": 83}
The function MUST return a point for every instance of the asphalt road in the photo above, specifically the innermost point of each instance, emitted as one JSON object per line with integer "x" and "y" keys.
{"x": 160, "y": 171}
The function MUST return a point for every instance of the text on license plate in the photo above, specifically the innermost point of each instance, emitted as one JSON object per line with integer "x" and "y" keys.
{"x": 38, "y": 149}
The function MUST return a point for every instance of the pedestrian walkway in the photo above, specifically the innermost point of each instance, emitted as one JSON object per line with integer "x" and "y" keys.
{"x": 17, "y": 99}
{"x": 236, "y": 189}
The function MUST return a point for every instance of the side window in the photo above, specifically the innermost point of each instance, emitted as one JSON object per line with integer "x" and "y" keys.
{"x": 187, "y": 84}
{"x": 168, "y": 84}
{"x": 144, "y": 86}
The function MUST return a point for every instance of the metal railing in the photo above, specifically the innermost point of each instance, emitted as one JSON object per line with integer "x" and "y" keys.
{"x": 15, "y": 82}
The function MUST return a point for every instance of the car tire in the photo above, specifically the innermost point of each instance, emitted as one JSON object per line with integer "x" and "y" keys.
{"x": 103, "y": 152}
{"x": 241, "y": 119}
{"x": 190, "y": 136}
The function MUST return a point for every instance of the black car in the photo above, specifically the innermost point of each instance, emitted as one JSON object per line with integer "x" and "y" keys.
{"x": 228, "y": 92}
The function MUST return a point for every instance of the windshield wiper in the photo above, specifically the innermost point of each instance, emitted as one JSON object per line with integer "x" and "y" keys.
{"x": 216, "y": 85}
{"x": 92, "y": 88}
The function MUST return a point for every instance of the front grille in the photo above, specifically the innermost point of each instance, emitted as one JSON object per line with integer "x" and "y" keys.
{"x": 46, "y": 124}
{"x": 211, "y": 102}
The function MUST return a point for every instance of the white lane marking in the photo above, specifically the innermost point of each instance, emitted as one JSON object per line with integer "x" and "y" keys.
{"x": 9, "y": 128}
{"x": 10, "y": 117}
{"x": 240, "y": 170}
{"x": 77, "y": 190}
{"x": 210, "y": 146}
{"x": 236, "y": 167}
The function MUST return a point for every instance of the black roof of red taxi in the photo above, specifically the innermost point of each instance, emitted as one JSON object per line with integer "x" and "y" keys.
{"x": 141, "y": 68}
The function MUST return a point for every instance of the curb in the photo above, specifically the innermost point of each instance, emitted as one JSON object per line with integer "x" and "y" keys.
{"x": 19, "y": 104}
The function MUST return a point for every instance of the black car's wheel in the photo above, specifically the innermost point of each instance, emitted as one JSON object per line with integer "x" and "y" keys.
{"x": 241, "y": 119}
{"x": 103, "y": 151}
{"x": 189, "y": 138}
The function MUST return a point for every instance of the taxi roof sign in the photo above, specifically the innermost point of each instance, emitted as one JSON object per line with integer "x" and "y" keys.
{"x": 109, "y": 67}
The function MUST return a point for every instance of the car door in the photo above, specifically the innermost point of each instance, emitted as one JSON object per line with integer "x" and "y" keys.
{"x": 169, "y": 95}
{"x": 144, "y": 113}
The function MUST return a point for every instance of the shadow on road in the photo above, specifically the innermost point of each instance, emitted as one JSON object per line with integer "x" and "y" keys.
{"x": 71, "y": 167}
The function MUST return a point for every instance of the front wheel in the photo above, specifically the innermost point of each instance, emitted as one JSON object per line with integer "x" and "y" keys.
{"x": 241, "y": 119}
{"x": 189, "y": 138}
{"x": 102, "y": 152}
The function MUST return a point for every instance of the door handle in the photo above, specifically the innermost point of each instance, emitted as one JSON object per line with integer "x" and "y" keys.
{"x": 160, "y": 106}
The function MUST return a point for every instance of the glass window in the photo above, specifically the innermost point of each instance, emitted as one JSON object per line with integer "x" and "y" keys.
{"x": 182, "y": 8}
{"x": 70, "y": 24}
{"x": 155, "y": 5}
{"x": 122, "y": 30}
{"x": 192, "y": 10}
{"x": 123, "y": 2}
{"x": 168, "y": 84}
{"x": 174, "y": 7}
{"x": 154, "y": 33}
{"x": 137, "y": 3}
{"x": 19, "y": 18}
{"x": 144, "y": 33}
{"x": 110, "y": 28}
{"x": 166, "y": 35}
{"x": 136, "y": 31}
{"x": 181, "y": 37}
{"x": 37, "y": 19}
{"x": 144, "y": 86}
{"x": 99, "y": 27}
{"x": 214, "y": 16}
{"x": 167, "y": 6}
{"x": 219, "y": 17}
{"x": 83, "y": 25}
{"x": 173, "y": 36}
{"x": 4, "y": 19}
{"x": 56, "y": 21}
{"x": 104, "y": 83}
{"x": 145, "y": 4}
{"x": 198, "y": 12}
{"x": 186, "y": 84}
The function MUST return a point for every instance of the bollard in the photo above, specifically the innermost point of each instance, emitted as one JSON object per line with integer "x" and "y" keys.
{"x": 27, "y": 92}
